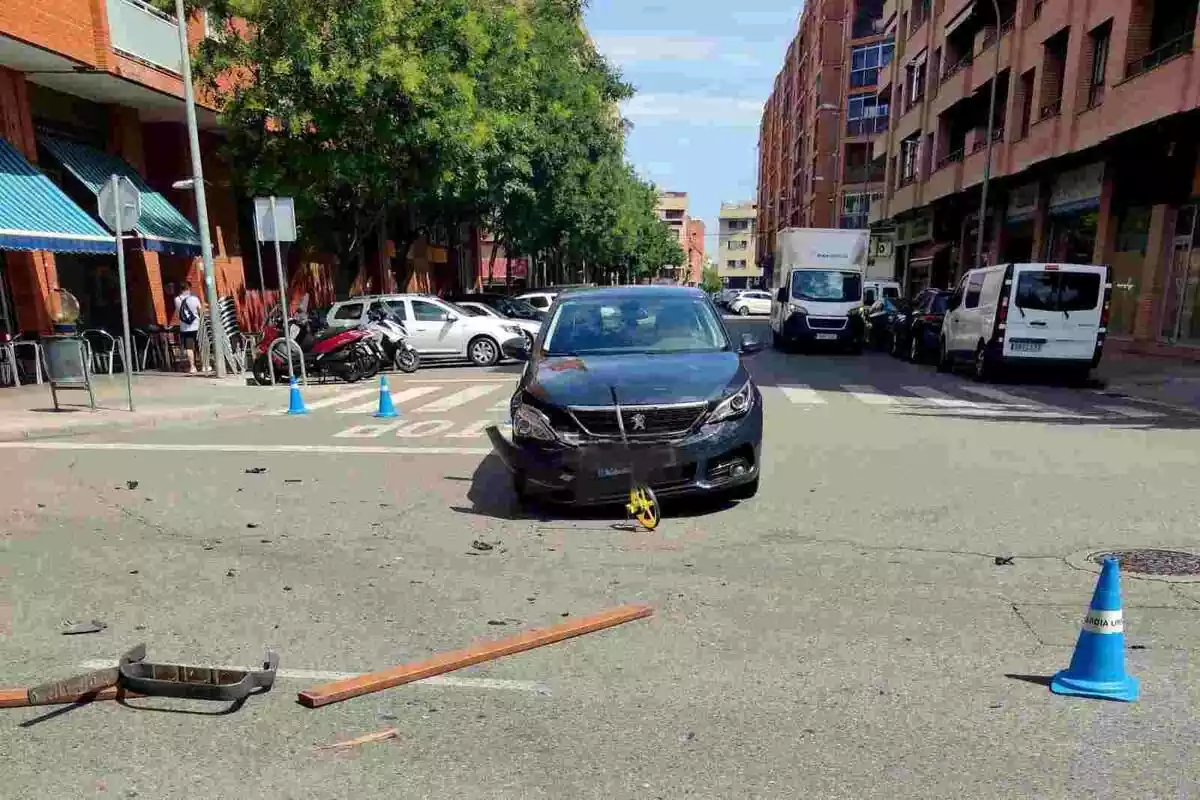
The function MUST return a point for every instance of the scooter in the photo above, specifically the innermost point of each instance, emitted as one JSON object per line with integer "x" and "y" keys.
{"x": 343, "y": 354}
{"x": 391, "y": 339}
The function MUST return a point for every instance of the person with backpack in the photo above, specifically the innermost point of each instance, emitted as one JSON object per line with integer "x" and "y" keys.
{"x": 187, "y": 308}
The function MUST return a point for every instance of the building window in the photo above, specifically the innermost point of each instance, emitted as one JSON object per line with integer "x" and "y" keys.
{"x": 856, "y": 208}
{"x": 1025, "y": 110}
{"x": 910, "y": 154}
{"x": 914, "y": 80}
{"x": 1054, "y": 66}
{"x": 1100, "y": 38}
{"x": 866, "y": 60}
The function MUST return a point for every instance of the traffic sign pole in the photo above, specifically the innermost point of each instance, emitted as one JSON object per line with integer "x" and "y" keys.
{"x": 283, "y": 295}
{"x": 126, "y": 339}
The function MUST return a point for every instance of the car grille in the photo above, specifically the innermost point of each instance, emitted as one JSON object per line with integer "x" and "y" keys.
{"x": 827, "y": 323}
{"x": 640, "y": 421}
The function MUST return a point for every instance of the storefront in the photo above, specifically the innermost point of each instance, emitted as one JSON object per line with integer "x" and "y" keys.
{"x": 1181, "y": 291}
{"x": 1073, "y": 214}
{"x": 1016, "y": 243}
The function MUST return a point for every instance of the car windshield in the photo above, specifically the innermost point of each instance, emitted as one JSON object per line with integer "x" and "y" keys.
{"x": 1058, "y": 291}
{"x": 473, "y": 311}
{"x": 827, "y": 285}
{"x": 600, "y": 325}
{"x": 516, "y": 309}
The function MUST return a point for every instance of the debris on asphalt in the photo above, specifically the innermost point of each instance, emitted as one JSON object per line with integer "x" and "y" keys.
{"x": 496, "y": 622}
{"x": 139, "y": 627}
{"x": 131, "y": 485}
{"x": 482, "y": 546}
{"x": 251, "y": 524}
{"x": 194, "y": 682}
{"x": 347, "y": 688}
{"x": 264, "y": 541}
{"x": 1137, "y": 647}
{"x": 565, "y": 614}
{"x": 687, "y": 737}
{"x": 379, "y": 736}
{"x": 231, "y": 573}
{"x": 1004, "y": 561}
{"x": 41, "y": 505}
{"x": 256, "y": 470}
{"x": 287, "y": 588}
{"x": 293, "y": 480}
{"x": 95, "y": 626}
{"x": 133, "y": 572}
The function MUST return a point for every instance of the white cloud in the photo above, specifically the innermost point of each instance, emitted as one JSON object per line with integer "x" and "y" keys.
{"x": 634, "y": 48}
{"x": 693, "y": 109}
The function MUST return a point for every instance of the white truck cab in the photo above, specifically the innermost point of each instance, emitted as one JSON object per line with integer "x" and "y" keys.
{"x": 817, "y": 286}
{"x": 1033, "y": 315}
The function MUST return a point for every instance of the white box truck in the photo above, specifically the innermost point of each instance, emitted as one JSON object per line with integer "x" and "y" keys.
{"x": 817, "y": 287}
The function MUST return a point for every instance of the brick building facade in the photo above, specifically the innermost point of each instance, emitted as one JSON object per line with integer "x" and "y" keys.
{"x": 820, "y": 122}
{"x": 1094, "y": 149}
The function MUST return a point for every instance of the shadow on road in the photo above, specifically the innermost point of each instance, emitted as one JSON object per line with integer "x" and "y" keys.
{"x": 491, "y": 495}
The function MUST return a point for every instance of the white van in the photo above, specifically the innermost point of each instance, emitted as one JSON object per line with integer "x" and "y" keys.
{"x": 874, "y": 290}
{"x": 1047, "y": 315}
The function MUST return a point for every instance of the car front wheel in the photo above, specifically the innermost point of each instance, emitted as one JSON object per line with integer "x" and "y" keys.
{"x": 483, "y": 351}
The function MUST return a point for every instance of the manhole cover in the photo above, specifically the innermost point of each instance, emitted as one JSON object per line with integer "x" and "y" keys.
{"x": 1153, "y": 562}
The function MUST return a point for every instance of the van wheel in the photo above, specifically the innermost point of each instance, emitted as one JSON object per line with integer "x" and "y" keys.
{"x": 983, "y": 365}
{"x": 944, "y": 363}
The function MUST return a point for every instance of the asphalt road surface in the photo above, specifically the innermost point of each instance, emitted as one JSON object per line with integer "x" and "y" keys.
{"x": 847, "y": 633}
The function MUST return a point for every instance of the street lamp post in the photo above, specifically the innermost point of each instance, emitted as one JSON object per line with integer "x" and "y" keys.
{"x": 210, "y": 281}
{"x": 991, "y": 124}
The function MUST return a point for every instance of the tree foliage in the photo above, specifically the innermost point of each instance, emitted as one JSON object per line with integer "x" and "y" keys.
{"x": 426, "y": 113}
{"x": 710, "y": 279}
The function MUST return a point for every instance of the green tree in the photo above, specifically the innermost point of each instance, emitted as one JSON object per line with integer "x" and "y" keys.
{"x": 710, "y": 280}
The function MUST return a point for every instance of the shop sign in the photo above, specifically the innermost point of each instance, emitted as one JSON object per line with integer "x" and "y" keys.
{"x": 1022, "y": 202}
{"x": 1078, "y": 189}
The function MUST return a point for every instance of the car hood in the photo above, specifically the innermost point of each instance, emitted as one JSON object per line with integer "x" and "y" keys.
{"x": 639, "y": 379}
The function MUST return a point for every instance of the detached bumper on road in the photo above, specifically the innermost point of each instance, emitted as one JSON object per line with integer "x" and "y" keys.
{"x": 598, "y": 473}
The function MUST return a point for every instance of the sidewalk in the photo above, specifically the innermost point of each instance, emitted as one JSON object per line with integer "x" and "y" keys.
{"x": 27, "y": 412}
{"x": 1169, "y": 381}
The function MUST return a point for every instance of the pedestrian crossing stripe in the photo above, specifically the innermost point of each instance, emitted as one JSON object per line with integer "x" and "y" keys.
{"x": 479, "y": 404}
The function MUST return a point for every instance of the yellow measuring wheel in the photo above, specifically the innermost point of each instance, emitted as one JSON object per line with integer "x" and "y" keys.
{"x": 643, "y": 507}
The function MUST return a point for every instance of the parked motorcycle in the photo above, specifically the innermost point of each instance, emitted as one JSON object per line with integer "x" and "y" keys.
{"x": 344, "y": 354}
{"x": 391, "y": 339}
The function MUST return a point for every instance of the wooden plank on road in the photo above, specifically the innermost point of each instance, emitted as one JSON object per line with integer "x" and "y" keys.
{"x": 487, "y": 651}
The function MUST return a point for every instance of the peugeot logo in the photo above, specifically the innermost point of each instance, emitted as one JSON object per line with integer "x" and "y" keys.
{"x": 639, "y": 422}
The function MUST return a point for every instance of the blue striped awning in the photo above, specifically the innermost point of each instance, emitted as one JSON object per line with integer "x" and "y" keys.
{"x": 162, "y": 228}
{"x": 36, "y": 215}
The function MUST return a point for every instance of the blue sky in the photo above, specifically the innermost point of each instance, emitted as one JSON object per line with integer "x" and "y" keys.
{"x": 702, "y": 70}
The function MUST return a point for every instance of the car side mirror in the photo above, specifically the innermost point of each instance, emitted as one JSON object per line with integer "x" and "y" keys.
{"x": 517, "y": 349}
{"x": 449, "y": 317}
{"x": 751, "y": 345}
{"x": 781, "y": 294}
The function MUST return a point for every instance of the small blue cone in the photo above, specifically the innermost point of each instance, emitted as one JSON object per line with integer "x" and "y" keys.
{"x": 1098, "y": 665}
{"x": 387, "y": 408}
{"x": 295, "y": 401}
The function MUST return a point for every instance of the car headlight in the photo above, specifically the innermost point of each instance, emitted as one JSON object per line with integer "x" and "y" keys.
{"x": 794, "y": 308}
{"x": 514, "y": 329}
{"x": 735, "y": 405}
{"x": 532, "y": 424}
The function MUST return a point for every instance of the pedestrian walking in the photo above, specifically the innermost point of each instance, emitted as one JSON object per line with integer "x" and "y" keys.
{"x": 187, "y": 308}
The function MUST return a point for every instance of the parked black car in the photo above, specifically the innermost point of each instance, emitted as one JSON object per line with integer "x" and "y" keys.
{"x": 505, "y": 305}
{"x": 653, "y": 365}
{"x": 915, "y": 332}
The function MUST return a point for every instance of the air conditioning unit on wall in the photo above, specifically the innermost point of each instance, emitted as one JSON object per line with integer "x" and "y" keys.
{"x": 882, "y": 248}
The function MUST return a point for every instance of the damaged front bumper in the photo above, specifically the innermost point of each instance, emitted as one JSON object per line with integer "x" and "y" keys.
{"x": 717, "y": 458}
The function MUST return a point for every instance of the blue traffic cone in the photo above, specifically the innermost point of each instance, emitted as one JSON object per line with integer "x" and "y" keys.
{"x": 295, "y": 401}
{"x": 387, "y": 409}
{"x": 1098, "y": 665}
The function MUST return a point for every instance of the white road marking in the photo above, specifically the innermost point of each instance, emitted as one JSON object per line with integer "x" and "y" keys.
{"x": 532, "y": 687}
{"x": 475, "y": 430}
{"x": 368, "y": 431}
{"x": 461, "y": 397}
{"x": 480, "y": 379}
{"x": 501, "y": 406}
{"x": 1017, "y": 400}
{"x": 253, "y": 449}
{"x": 1130, "y": 412}
{"x": 939, "y": 398}
{"x": 399, "y": 397}
{"x": 325, "y": 402}
{"x": 802, "y": 395}
{"x": 869, "y": 395}
{"x": 426, "y": 427}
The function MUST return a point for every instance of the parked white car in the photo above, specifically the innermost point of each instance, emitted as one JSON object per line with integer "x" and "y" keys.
{"x": 436, "y": 329}
{"x": 529, "y": 326}
{"x": 1045, "y": 315}
{"x": 751, "y": 301}
{"x": 539, "y": 300}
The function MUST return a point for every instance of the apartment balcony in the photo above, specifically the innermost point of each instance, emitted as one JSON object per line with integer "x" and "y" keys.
{"x": 863, "y": 174}
{"x": 1037, "y": 145}
{"x": 866, "y": 126}
{"x": 909, "y": 122}
{"x": 946, "y": 178}
{"x": 976, "y": 157}
{"x": 853, "y": 221}
{"x": 953, "y": 84}
{"x": 985, "y": 59}
{"x": 142, "y": 32}
{"x": 904, "y": 198}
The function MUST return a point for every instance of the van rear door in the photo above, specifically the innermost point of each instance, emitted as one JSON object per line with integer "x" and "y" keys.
{"x": 1055, "y": 311}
